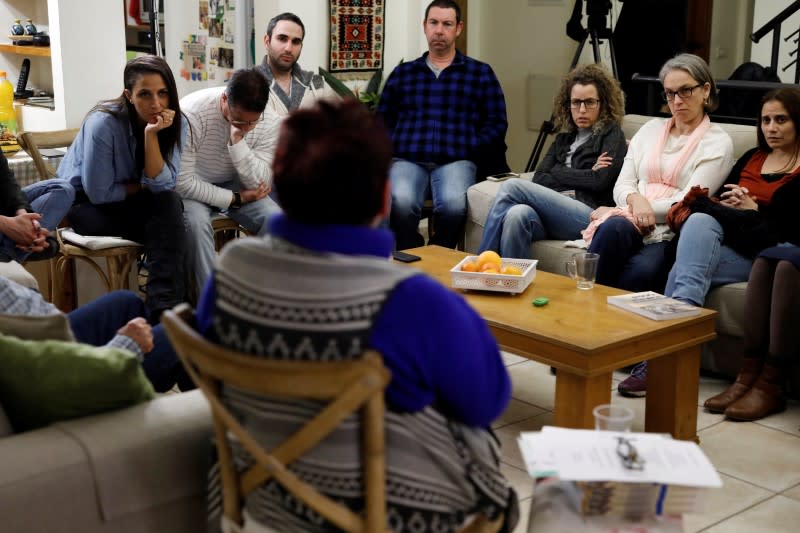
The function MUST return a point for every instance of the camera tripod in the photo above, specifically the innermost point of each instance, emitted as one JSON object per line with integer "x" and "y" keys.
{"x": 548, "y": 126}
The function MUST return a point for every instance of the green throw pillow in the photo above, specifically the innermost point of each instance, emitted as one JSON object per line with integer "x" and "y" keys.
{"x": 46, "y": 381}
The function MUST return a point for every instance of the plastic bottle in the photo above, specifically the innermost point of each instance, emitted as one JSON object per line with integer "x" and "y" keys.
{"x": 8, "y": 117}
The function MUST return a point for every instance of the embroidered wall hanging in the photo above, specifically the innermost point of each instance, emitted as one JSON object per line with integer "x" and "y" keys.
{"x": 357, "y": 35}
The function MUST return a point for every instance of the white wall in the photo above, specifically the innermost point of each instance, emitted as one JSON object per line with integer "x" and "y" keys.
{"x": 87, "y": 65}
{"x": 760, "y": 52}
{"x": 731, "y": 27}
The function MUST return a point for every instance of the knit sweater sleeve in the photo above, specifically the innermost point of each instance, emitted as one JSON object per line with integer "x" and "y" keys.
{"x": 189, "y": 184}
{"x": 252, "y": 156}
{"x": 441, "y": 352}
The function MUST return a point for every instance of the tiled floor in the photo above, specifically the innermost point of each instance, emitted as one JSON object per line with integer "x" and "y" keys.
{"x": 759, "y": 462}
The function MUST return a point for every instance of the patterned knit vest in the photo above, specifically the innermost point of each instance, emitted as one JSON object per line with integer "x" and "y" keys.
{"x": 284, "y": 302}
{"x": 280, "y": 301}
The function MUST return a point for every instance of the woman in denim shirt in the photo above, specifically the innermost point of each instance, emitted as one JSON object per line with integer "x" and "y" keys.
{"x": 123, "y": 165}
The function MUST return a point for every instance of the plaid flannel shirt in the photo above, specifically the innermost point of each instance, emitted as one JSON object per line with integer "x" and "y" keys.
{"x": 445, "y": 119}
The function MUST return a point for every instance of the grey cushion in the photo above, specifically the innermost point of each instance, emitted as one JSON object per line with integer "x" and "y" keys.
{"x": 37, "y": 328}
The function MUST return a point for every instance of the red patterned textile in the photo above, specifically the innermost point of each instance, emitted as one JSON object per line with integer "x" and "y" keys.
{"x": 357, "y": 35}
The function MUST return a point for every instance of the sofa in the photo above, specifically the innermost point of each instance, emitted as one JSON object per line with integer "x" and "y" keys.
{"x": 135, "y": 470}
{"x": 723, "y": 355}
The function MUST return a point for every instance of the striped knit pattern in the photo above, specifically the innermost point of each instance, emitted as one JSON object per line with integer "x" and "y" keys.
{"x": 208, "y": 157}
{"x": 276, "y": 300}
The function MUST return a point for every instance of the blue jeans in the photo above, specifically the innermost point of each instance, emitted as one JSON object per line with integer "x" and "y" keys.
{"x": 702, "y": 261}
{"x": 446, "y": 184}
{"x": 524, "y": 212}
{"x": 97, "y": 322}
{"x": 51, "y": 199}
{"x": 625, "y": 261}
{"x": 201, "y": 252}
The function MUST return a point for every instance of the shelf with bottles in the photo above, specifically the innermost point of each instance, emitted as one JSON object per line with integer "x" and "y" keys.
{"x": 40, "y": 51}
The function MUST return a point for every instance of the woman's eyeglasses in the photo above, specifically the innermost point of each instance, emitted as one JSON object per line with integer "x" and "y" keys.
{"x": 683, "y": 92}
{"x": 590, "y": 103}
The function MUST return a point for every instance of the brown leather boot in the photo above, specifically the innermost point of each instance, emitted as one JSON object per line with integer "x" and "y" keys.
{"x": 751, "y": 368}
{"x": 764, "y": 398}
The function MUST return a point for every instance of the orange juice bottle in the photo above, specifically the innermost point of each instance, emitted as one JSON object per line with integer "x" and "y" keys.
{"x": 8, "y": 117}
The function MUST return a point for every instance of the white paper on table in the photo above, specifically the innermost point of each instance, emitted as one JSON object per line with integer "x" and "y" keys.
{"x": 588, "y": 455}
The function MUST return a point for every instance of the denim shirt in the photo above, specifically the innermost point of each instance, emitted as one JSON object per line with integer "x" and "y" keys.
{"x": 102, "y": 160}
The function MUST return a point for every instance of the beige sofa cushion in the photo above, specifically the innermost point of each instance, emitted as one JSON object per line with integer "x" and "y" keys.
{"x": 163, "y": 445}
{"x": 14, "y": 271}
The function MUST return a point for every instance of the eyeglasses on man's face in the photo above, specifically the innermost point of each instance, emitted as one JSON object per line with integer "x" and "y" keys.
{"x": 683, "y": 92}
{"x": 590, "y": 103}
{"x": 245, "y": 123}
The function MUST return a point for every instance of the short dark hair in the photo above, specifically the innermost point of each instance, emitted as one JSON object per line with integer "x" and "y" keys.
{"x": 332, "y": 163}
{"x": 291, "y": 17}
{"x": 789, "y": 97}
{"x": 444, "y": 4}
{"x": 248, "y": 90}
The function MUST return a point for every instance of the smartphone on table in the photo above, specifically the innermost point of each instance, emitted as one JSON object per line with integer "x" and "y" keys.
{"x": 405, "y": 257}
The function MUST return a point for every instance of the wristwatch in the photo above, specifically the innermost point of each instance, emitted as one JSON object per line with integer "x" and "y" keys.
{"x": 237, "y": 201}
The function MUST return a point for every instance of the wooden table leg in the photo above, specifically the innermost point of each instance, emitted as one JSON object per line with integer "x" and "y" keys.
{"x": 673, "y": 385}
{"x": 576, "y": 396}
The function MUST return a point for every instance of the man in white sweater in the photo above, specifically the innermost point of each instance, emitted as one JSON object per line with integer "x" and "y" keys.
{"x": 226, "y": 165}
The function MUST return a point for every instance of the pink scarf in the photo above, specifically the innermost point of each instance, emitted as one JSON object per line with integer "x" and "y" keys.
{"x": 663, "y": 185}
{"x": 659, "y": 185}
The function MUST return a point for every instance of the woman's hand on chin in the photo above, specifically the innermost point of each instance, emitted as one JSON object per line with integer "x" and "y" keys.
{"x": 162, "y": 121}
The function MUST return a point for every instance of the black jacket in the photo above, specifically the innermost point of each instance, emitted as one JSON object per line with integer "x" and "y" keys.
{"x": 749, "y": 231}
{"x": 593, "y": 188}
{"x": 11, "y": 196}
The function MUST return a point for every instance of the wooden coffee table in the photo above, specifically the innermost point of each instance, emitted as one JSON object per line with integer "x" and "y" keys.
{"x": 586, "y": 340}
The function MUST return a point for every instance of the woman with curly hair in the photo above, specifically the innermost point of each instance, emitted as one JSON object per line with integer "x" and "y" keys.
{"x": 577, "y": 174}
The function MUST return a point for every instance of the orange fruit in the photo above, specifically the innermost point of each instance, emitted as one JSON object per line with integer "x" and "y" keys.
{"x": 511, "y": 270}
{"x": 471, "y": 266}
{"x": 489, "y": 268}
{"x": 490, "y": 257}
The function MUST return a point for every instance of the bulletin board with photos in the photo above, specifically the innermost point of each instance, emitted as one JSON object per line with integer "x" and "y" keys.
{"x": 208, "y": 53}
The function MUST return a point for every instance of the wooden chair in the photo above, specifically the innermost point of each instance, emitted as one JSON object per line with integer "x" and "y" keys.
{"x": 119, "y": 259}
{"x": 225, "y": 230}
{"x": 349, "y": 387}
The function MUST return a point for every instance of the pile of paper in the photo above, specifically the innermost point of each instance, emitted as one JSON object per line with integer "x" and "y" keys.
{"x": 674, "y": 477}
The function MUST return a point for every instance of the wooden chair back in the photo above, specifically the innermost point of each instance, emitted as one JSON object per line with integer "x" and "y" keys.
{"x": 348, "y": 387}
{"x": 33, "y": 141}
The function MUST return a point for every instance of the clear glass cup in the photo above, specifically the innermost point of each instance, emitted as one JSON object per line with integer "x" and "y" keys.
{"x": 583, "y": 269}
{"x": 610, "y": 417}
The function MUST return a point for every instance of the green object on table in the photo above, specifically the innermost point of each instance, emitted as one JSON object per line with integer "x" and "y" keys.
{"x": 541, "y": 301}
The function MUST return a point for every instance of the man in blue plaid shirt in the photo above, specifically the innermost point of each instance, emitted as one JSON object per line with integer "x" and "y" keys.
{"x": 445, "y": 112}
